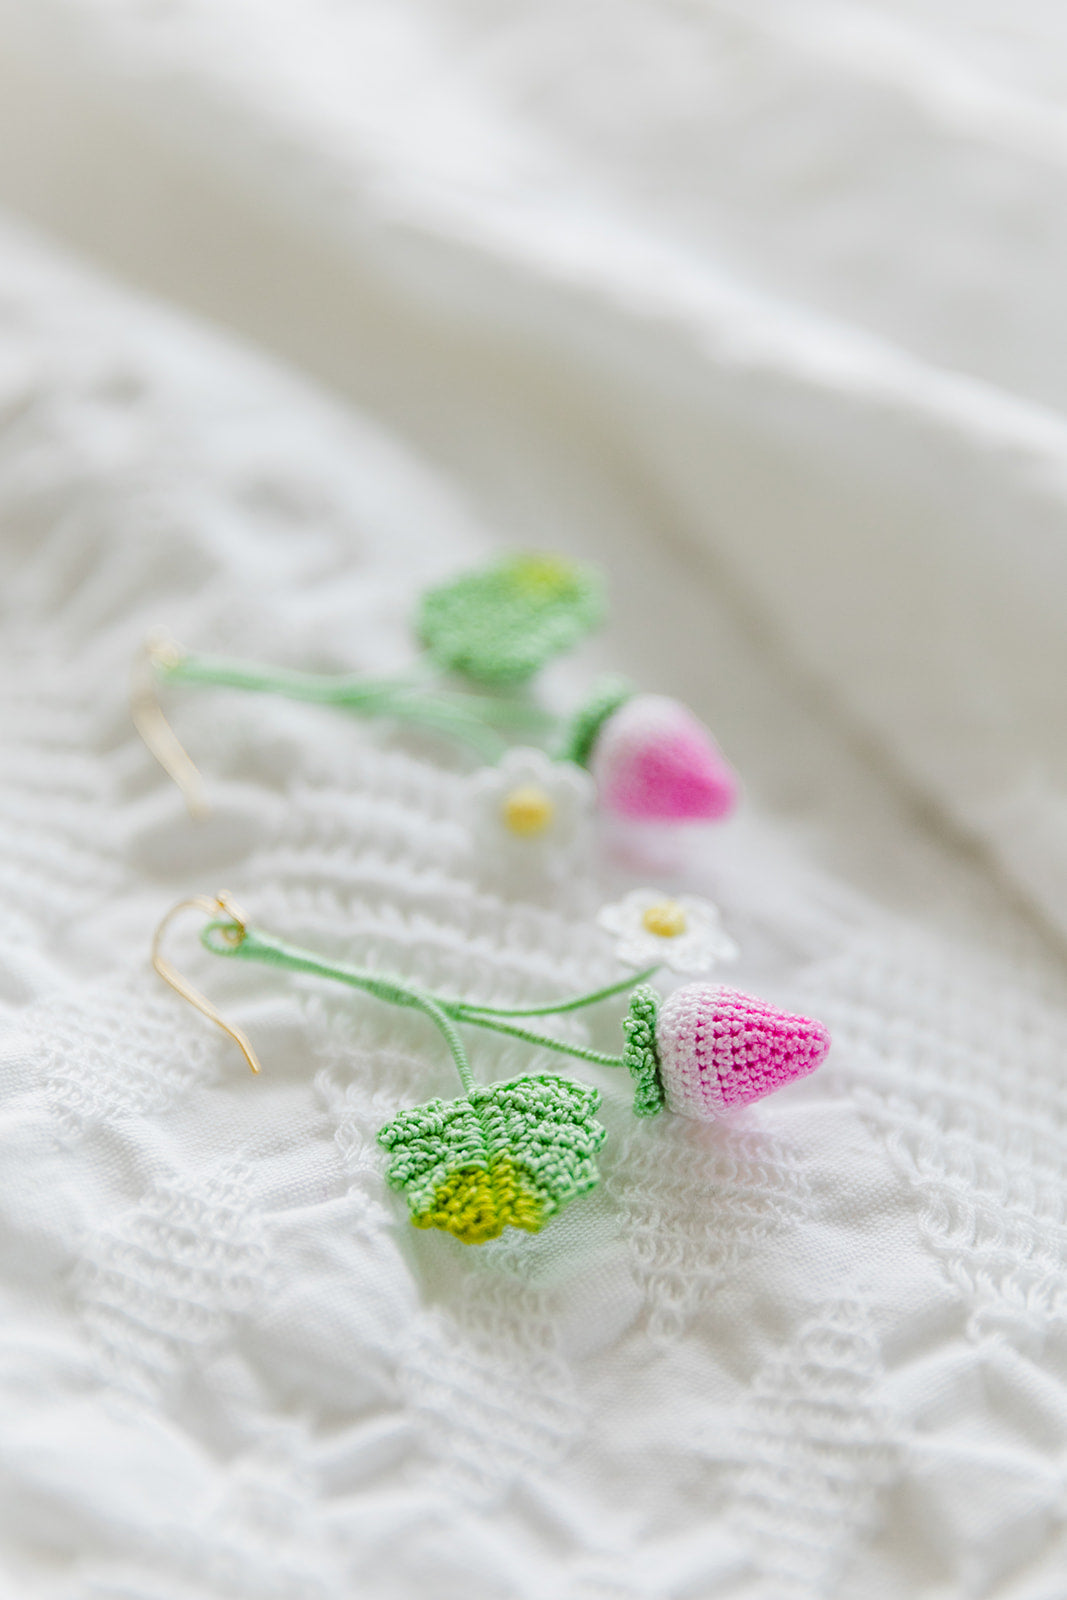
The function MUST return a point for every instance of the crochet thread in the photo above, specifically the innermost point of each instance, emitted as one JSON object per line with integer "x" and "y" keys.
{"x": 501, "y": 623}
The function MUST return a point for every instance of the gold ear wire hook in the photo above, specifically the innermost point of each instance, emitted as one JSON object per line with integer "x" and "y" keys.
{"x": 222, "y": 904}
{"x": 154, "y": 728}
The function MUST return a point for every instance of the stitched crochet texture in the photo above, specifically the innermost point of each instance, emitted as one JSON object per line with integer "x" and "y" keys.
{"x": 639, "y": 1026}
{"x": 719, "y": 1048}
{"x": 501, "y": 623}
{"x": 508, "y": 1155}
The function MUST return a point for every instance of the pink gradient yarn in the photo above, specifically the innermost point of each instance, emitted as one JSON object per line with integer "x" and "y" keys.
{"x": 653, "y": 760}
{"x": 719, "y": 1048}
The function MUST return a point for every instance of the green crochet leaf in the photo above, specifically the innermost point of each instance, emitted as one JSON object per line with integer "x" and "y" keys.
{"x": 500, "y": 624}
{"x": 639, "y": 1026}
{"x": 509, "y": 1156}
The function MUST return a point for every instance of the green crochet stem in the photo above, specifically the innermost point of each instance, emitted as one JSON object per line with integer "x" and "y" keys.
{"x": 225, "y": 938}
{"x": 545, "y": 1040}
{"x": 557, "y": 1007}
{"x": 472, "y": 718}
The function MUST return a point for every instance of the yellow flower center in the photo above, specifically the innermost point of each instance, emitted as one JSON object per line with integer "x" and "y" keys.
{"x": 666, "y": 919}
{"x": 528, "y": 811}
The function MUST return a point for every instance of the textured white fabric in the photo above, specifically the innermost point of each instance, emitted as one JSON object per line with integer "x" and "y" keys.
{"x": 816, "y": 1353}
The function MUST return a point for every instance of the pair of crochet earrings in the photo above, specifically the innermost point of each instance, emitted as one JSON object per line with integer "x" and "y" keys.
{"x": 511, "y": 1154}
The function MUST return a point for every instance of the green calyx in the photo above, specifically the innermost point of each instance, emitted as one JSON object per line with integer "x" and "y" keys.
{"x": 584, "y": 727}
{"x": 508, "y": 1155}
{"x": 499, "y": 624}
{"x": 639, "y": 1027}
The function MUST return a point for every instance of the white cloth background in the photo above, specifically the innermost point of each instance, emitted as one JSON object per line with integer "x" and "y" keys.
{"x": 759, "y": 305}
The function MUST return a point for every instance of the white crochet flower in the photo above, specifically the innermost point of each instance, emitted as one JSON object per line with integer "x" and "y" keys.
{"x": 529, "y": 808}
{"x": 654, "y": 929}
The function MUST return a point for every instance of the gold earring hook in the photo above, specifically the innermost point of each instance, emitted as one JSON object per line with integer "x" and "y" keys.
{"x": 222, "y": 904}
{"x": 156, "y": 731}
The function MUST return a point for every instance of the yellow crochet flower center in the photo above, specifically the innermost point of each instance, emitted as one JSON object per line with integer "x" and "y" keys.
{"x": 528, "y": 811}
{"x": 666, "y": 919}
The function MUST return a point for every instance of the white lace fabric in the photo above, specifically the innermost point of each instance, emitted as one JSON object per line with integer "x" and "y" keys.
{"x": 815, "y": 1353}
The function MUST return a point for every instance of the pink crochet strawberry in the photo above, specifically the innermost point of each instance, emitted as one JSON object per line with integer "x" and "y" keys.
{"x": 719, "y": 1048}
{"x": 652, "y": 759}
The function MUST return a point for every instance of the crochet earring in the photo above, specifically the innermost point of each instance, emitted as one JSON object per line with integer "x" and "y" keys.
{"x": 494, "y": 627}
{"x": 512, "y": 1154}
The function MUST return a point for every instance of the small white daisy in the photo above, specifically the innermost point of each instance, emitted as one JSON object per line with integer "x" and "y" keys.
{"x": 654, "y": 929}
{"x": 530, "y": 808}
